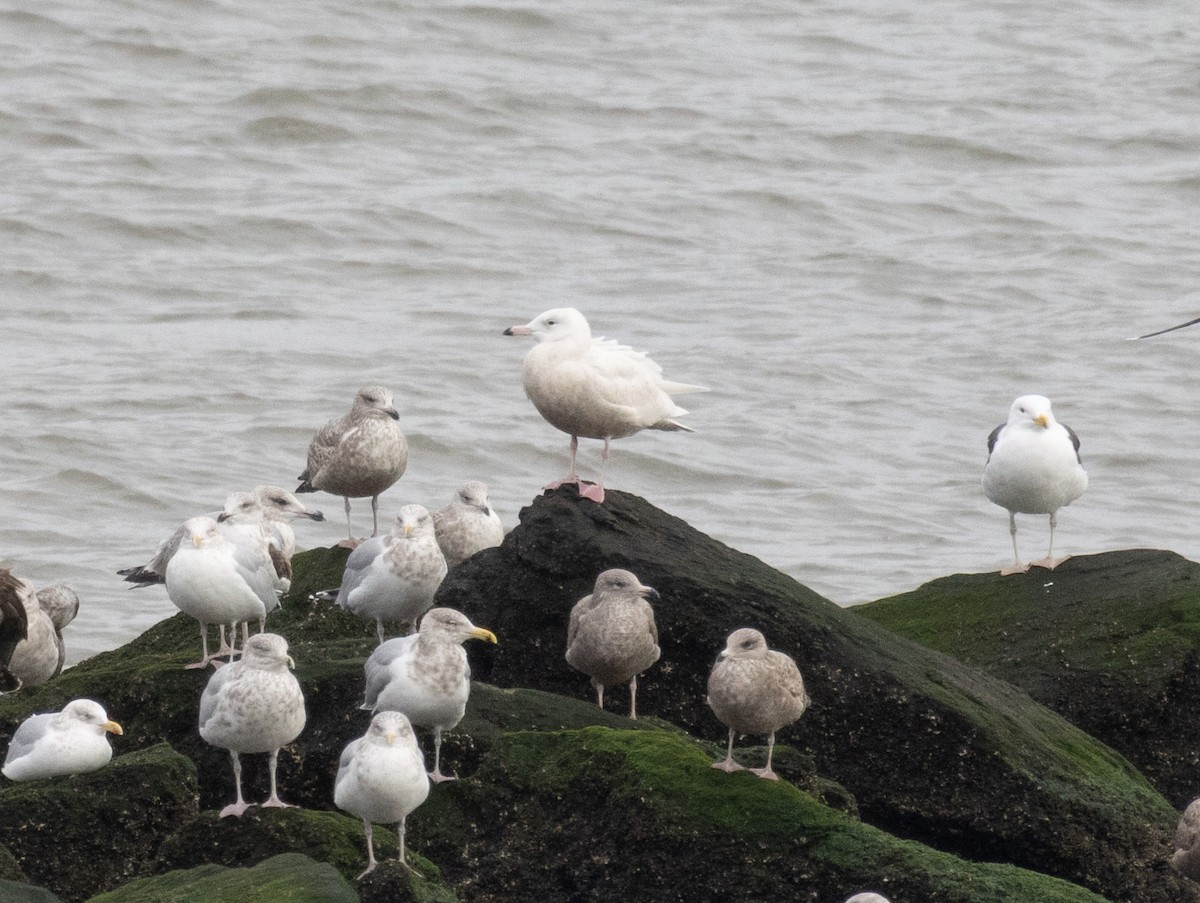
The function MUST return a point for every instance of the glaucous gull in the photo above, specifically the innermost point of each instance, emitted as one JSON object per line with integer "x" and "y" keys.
{"x": 14, "y": 625}
{"x": 381, "y": 778}
{"x": 254, "y": 705}
{"x": 595, "y": 388}
{"x": 468, "y": 524}
{"x": 209, "y": 580}
{"x": 362, "y": 453}
{"x": 1033, "y": 467}
{"x": 392, "y": 578}
{"x": 612, "y": 636}
{"x": 754, "y": 690}
{"x": 426, "y": 676}
{"x": 73, "y": 741}
{"x": 41, "y": 654}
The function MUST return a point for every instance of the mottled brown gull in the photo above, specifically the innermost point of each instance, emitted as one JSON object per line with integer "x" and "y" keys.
{"x": 612, "y": 636}
{"x": 40, "y": 656}
{"x": 253, "y": 705}
{"x": 1033, "y": 467}
{"x": 391, "y": 579}
{"x": 207, "y": 579}
{"x": 362, "y": 453}
{"x": 595, "y": 388}
{"x": 14, "y": 625}
{"x": 468, "y": 524}
{"x": 754, "y": 690}
{"x": 426, "y": 676}
{"x": 381, "y": 778}
{"x": 73, "y": 741}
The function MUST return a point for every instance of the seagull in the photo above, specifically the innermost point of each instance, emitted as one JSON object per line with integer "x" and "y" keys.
{"x": 40, "y": 656}
{"x": 754, "y": 690}
{"x": 253, "y": 705}
{"x": 381, "y": 778}
{"x": 360, "y": 454}
{"x": 612, "y": 636}
{"x": 276, "y": 508}
{"x": 14, "y": 626}
{"x": 393, "y": 578}
{"x": 468, "y": 524}
{"x": 595, "y": 388}
{"x": 869, "y": 897}
{"x": 426, "y": 676}
{"x": 73, "y": 741}
{"x": 207, "y": 579}
{"x": 1033, "y": 467}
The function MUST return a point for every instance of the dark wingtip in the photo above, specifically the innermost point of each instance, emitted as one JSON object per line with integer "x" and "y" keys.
{"x": 508, "y": 331}
{"x": 306, "y": 487}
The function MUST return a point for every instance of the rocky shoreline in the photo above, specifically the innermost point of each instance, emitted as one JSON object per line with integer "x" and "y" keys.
{"x": 925, "y": 772}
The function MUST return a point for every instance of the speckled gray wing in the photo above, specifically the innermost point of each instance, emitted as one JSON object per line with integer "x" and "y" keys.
{"x": 576, "y": 612}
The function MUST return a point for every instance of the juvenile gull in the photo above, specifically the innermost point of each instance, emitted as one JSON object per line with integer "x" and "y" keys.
{"x": 381, "y": 778}
{"x": 41, "y": 654}
{"x": 595, "y": 388}
{"x": 360, "y": 454}
{"x": 426, "y": 676}
{"x": 274, "y": 509}
{"x": 612, "y": 636}
{"x": 468, "y": 524}
{"x": 392, "y": 578}
{"x": 14, "y": 625}
{"x": 754, "y": 690}
{"x": 73, "y": 741}
{"x": 253, "y": 705}
{"x": 207, "y": 580}
{"x": 1033, "y": 467}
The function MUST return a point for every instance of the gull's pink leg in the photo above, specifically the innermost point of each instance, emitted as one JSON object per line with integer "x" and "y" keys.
{"x": 436, "y": 775}
{"x": 274, "y": 800}
{"x": 238, "y": 806}
{"x": 767, "y": 772}
{"x": 727, "y": 764}
{"x": 205, "y": 657}
{"x": 371, "y": 863}
{"x": 571, "y": 477}
{"x": 595, "y": 491}
{"x": 1016, "y": 567}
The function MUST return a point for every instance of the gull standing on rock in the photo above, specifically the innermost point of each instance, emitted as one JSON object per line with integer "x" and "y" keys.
{"x": 381, "y": 778}
{"x": 595, "y": 388}
{"x": 362, "y": 453}
{"x": 206, "y": 579}
{"x": 426, "y": 676}
{"x": 1033, "y": 467}
{"x": 392, "y": 578}
{"x": 41, "y": 654}
{"x": 612, "y": 636}
{"x": 254, "y": 705}
{"x": 468, "y": 524}
{"x": 754, "y": 690}
{"x": 73, "y": 741}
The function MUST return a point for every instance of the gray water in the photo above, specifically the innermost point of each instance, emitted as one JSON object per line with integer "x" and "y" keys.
{"x": 867, "y": 228}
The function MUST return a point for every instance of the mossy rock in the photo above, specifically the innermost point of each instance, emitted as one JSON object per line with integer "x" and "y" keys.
{"x": 1111, "y": 642}
{"x": 79, "y": 834}
{"x": 930, "y": 748}
{"x": 289, "y": 878}
{"x": 642, "y": 816}
{"x": 18, "y": 892}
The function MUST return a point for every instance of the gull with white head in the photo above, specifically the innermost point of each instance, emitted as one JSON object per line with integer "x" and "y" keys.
{"x": 468, "y": 524}
{"x": 595, "y": 388}
{"x": 73, "y": 741}
{"x": 1033, "y": 467}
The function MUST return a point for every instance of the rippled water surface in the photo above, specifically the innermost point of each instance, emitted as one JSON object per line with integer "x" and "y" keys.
{"x": 866, "y": 228}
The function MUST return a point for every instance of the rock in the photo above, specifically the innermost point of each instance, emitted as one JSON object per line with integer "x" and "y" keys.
{"x": 80, "y": 834}
{"x": 641, "y": 816}
{"x": 931, "y": 749}
{"x": 290, "y": 878}
{"x": 1108, "y": 641}
{"x": 17, "y": 892}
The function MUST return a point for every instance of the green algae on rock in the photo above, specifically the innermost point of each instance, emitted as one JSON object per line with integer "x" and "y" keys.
{"x": 288, "y": 878}
{"x": 641, "y": 816}
{"x": 1110, "y": 641}
{"x": 930, "y": 748}
{"x": 111, "y": 820}
{"x": 16, "y": 892}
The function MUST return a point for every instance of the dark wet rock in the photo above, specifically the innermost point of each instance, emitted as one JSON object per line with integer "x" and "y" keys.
{"x": 85, "y": 833}
{"x": 1111, "y": 642}
{"x": 931, "y": 749}
{"x": 289, "y": 878}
